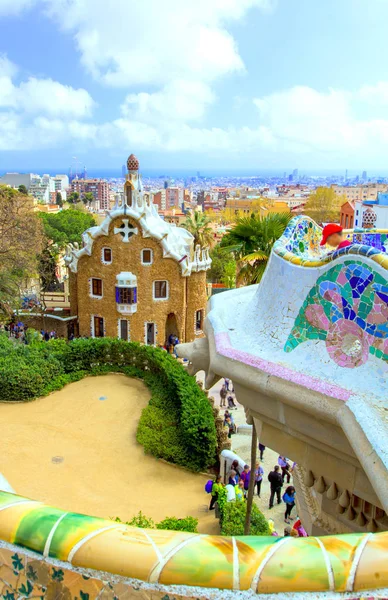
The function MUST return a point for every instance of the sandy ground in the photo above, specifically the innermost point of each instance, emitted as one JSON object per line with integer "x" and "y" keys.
{"x": 76, "y": 449}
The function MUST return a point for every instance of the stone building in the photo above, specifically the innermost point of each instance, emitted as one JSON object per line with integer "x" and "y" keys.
{"x": 137, "y": 277}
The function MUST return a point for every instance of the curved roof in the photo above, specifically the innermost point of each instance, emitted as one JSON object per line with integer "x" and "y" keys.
{"x": 177, "y": 243}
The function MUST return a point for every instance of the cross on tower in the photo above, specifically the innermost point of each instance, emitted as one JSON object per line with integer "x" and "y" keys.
{"x": 125, "y": 230}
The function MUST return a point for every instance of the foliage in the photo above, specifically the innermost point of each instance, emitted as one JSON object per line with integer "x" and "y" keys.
{"x": 23, "y": 190}
{"x": 33, "y": 337}
{"x": 222, "y": 499}
{"x": 188, "y": 524}
{"x": 229, "y": 276}
{"x": 47, "y": 263}
{"x": 233, "y": 519}
{"x": 220, "y": 258}
{"x": 73, "y": 198}
{"x": 66, "y": 226}
{"x": 324, "y": 205}
{"x": 58, "y": 199}
{"x": 177, "y": 425}
{"x": 251, "y": 240}
{"x": 198, "y": 225}
{"x": 21, "y": 238}
{"x": 88, "y": 198}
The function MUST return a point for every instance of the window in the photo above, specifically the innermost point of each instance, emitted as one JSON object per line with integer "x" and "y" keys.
{"x": 199, "y": 320}
{"x": 107, "y": 255}
{"x": 150, "y": 334}
{"x": 123, "y": 329}
{"x": 160, "y": 290}
{"x": 146, "y": 257}
{"x": 126, "y": 295}
{"x": 98, "y": 327}
{"x": 97, "y": 287}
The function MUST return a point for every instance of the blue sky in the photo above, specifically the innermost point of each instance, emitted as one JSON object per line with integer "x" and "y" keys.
{"x": 194, "y": 83}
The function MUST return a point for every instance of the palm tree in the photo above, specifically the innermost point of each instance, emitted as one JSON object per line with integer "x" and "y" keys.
{"x": 251, "y": 241}
{"x": 198, "y": 225}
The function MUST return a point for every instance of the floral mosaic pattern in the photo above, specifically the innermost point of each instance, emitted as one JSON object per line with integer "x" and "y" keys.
{"x": 348, "y": 308}
{"x": 303, "y": 237}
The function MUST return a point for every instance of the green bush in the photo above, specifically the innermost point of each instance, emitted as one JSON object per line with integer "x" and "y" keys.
{"x": 233, "y": 519}
{"x": 189, "y": 524}
{"x": 177, "y": 425}
{"x": 170, "y": 523}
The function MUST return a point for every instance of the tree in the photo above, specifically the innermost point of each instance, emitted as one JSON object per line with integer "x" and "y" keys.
{"x": 198, "y": 225}
{"x": 23, "y": 190}
{"x": 88, "y": 198}
{"x": 324, "y": 205}
{"x": 251, "y": 241}
{"x": 73, "y": 198}
{"x": 220, "y": 258}
{"x": 58, "y": 199}
{"x": 21, "y": 239}
{"x": 251, "y": 487}
{"x": 229, "y": 275}
{"x": 66, "y": 226}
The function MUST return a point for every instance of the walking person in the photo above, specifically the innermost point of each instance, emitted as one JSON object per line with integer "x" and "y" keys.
{"x": 223, "y": 394}
{"x": 276, "y": 482}
{"x": 261, "y": 449}
{"x": 289, "y": 499}
{"x": 285, "y": 467}
{"x": 245, "y": 477}
{"x": 259, "y": 472}
{"x": 217, "y": 485}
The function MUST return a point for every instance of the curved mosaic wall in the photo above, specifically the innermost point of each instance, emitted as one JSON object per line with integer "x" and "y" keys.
{"x": 343, "y": 563}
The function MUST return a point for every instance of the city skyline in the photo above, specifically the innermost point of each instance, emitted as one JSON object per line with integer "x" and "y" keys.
{"x": 238, "y": 84}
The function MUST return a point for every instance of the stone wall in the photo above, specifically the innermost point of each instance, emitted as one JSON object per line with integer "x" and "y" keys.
{"x": 186, "y": 294}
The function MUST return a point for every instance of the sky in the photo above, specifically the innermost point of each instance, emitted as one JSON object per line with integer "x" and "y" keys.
{"x": 201, "y": 84}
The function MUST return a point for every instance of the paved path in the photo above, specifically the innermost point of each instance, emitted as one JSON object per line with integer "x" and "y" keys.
{"x": 241, "y": 444}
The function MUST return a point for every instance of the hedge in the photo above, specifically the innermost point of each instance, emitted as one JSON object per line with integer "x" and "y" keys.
{"x": 233, "y": 519}
{"x": 177, "y": 425}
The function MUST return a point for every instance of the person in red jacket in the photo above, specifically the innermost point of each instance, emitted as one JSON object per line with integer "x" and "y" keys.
{"x": 332, "y": 235}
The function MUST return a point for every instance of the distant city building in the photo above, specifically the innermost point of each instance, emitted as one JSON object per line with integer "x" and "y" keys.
{"x": 295, "y": 174}
{"x": 367, "y": 191}
{"x": 98, "y": 187}
{"x": 61, "y": 183}
{"x": 364, "y": 175}
{"x": 347, "y": 215}
{"x": 16, "y": 179}
{"x": 372, "y": 213}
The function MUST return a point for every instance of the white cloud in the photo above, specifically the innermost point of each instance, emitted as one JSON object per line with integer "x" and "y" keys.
{"x": 179, "y": 100}
{"x": 153, "y": 42}
{"x": 41, "y": 96}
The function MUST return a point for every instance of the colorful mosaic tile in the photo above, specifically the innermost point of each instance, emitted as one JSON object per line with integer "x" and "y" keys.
{"x": 348, "y": 308}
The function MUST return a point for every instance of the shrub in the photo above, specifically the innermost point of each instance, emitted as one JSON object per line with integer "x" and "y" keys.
{"x": 189, "y": 524}
{"x": 170, "y": 523}
{"x": 233, "y": 519}
{"x": 177, "y": 425}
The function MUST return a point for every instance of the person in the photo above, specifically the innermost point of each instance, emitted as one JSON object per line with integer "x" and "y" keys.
{"x": 217, "y": 485}
{"x": 226, "y": 380}
{"x": 333, "y": 236}
{"x": 287, "y": 531}
{"x": 230, "y": 427}
{"x": 236, "y": 467}
{"x": 289, "y": 499}
{"x": 259, "y": 472}
{"x": 299, "y": 528}
{"x": 245, "y": 477}
{"x": 232, "y": 478}
{"x": 261, "y": 448}
{"x": 228, "y": 415}
{"x": 276, "y": 482}
{"x": 223, "y": 394}
{"x": 285, "y": 467}
{"x": 239, "y": 489}
{"x": 230, "y": 493}
{"x": 231, "y": 403}
{"x": 46, "y": 336}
